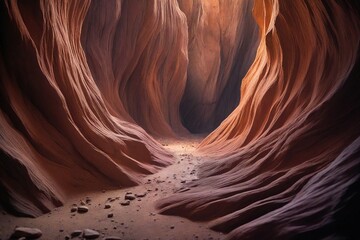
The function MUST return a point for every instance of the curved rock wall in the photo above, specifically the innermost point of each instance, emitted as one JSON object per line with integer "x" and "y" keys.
{"x": 155, "y": 58}
{"x": 223, "y": 38}
{"x": 80, "y": 78}
{"x": 137, "y": 52}
{"x": 57, "y": 135}
{"x": 285, "y": 161}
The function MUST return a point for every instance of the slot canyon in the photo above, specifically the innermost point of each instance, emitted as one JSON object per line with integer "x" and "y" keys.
{"x": 179, "y": 119}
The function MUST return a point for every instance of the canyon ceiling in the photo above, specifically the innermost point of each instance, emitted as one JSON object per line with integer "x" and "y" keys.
{"x": 87, "y": 86}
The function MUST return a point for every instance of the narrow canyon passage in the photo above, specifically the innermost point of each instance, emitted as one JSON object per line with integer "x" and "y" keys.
{"x": 139, "y": 219}
{"x": 104, "y": 99}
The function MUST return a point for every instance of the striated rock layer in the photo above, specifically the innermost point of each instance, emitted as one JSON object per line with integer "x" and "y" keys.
{"x": 57, "y": 134}
{"x": 137, "y": 53}
{"x": 223, "y": 38}
{"x": 80, "y": 80}
{"x": 286, "y": 162}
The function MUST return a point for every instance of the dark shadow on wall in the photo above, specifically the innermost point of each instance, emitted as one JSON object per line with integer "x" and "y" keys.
{"x": 219, "y": 58}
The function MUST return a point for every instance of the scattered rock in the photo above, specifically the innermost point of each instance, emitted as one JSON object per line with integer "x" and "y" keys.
{"x": 141, "y": 194}
{"x": 110, "y": 215}
{"x": 125, "y": 203}
{"x": 183, "y": 181}
{"x": 82, "y": 203}
{"x": 67, "y": 237}
{"x": 28, "y": 233}
{"x": 172, "y": 227}
{"x": 82, "y": 209}
{"x": 129, "y": 197}
{"x": 107, "y": 206}
{"x": 76, "y": 233}
{"x": 90, "y": 234}
{"x": 73, "y": 209}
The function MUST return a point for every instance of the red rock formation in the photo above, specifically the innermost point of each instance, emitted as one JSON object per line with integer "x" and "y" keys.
{"x": 57, "y": 135}
{"x": 287, "y": 159}
{"x": 223, "y": 38}
{"x": 143, "y": 48}
{"x": 78, "y": 76}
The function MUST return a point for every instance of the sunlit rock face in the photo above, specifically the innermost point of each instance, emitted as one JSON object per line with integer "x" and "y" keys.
{"x": 223, "y": 38}
{"x": 287, "y": 159}
{"x": 57, "y": 134}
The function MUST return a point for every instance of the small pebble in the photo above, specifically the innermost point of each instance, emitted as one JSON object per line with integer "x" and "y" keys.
{"x": 82, "y": 209}
{"x": 129, "y": 197}
{"x": 73, "y": 209}
{"x": 125, "y": 203}
{"x": 140, "y": 194}
{"x": 90, "y": 234}
{"x": 76, "y": 233}
{"x": 28, "y": 233}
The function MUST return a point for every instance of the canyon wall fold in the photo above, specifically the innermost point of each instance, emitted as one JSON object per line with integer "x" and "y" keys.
{"x": 285, "y": 163}
{"x": 223, "y": 38}
{"x": 57, "y": 135}
{"x": 191, "y": 51}
{"x": 84, "y": 83}
{"x": 137, "y": 52}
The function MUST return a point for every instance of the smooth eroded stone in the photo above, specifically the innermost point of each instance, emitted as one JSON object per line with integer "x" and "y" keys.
{"x": 29, "y": 233}
{"x": 90, "y": 234}
{"x": 82, "y": 209}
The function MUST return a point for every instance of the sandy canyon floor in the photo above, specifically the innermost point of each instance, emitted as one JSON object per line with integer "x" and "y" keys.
{"x": 139, "y": 219}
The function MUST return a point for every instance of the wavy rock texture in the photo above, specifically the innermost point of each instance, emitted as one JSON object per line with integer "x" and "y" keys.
{"x": 57, "y": 135}
{"x": 223, "y": 38}
{"x": 143, "y": 47}
{"x": 80, "y": 78}
{"x": 286, "y": 161}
